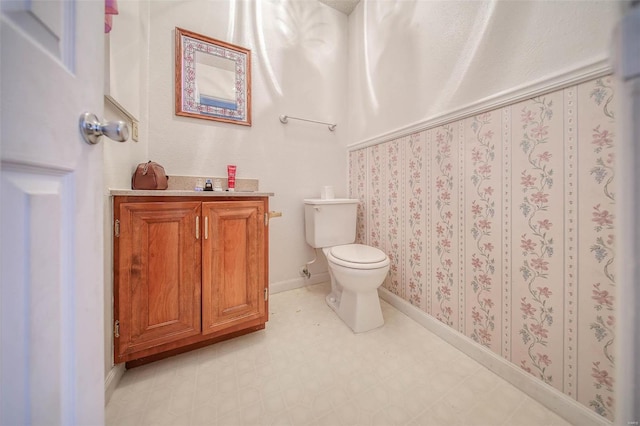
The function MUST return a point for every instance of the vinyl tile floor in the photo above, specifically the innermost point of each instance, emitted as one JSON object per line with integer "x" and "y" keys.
{"x": 308, "y": 368}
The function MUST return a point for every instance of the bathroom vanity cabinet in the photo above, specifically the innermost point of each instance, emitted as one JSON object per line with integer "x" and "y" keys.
{"x": 188, "y": 271}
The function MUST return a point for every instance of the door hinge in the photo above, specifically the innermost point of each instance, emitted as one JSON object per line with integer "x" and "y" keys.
{"x": 116, "y": 228}
{"x": 266, "y": 294}
{"x": 116, "y": 328}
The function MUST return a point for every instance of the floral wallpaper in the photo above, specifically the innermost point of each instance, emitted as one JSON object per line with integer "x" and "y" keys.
{"x": 502, "y": 227}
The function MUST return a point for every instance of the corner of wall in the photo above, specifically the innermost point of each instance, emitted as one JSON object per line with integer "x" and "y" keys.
{"x": 111, "y": 381}
{"x": 317, "y": 278}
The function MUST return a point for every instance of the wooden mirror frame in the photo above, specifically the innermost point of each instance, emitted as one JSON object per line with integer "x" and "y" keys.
{"x": 187, "y": 94}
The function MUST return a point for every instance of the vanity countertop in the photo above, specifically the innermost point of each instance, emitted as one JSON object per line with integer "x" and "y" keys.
{"x": 186, "y": 193}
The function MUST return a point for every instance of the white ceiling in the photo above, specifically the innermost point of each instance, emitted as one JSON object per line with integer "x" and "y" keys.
{"x": 344, "y": 6}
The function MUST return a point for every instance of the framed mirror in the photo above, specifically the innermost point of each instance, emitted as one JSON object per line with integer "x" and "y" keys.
{"x": 213, "y": 79}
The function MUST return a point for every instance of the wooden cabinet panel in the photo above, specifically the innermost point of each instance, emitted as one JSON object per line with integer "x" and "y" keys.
{"x": 187, "y": 272}
{"x": 158, "y": 277}
{"x": 233, "y": 268}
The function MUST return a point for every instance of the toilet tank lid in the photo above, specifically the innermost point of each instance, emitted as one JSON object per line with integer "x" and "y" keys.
{"x": 331, "y": 201}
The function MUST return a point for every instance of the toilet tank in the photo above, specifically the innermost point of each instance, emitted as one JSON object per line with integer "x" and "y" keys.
{"x": 330, "y": 222}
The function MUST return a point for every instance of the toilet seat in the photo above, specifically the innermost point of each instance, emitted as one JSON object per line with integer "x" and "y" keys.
{"x": 357, "y": 256}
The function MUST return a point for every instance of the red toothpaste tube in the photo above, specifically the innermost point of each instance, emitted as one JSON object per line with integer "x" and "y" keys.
{"x": 231, "y": 177}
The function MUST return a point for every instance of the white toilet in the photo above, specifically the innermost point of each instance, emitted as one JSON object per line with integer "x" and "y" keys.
{"x": 356, "y": 270}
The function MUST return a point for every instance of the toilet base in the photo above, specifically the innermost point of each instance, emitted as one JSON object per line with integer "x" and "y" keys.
{"x": 360, "y": 311}
{"x": 332, "y": 301}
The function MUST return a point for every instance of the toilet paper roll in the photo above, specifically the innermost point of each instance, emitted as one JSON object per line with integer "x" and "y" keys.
{"x": 326, "y": 193}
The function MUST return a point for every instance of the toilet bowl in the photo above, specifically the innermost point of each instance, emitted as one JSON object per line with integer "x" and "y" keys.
{"x": 356, "y": 272}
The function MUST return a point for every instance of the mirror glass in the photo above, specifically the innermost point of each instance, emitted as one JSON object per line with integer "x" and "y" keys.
{"x": 213, "y": 79}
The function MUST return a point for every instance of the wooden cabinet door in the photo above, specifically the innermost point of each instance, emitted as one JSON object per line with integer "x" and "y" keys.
{"x": 158, "y": 275}
{"x": 233, "y": 265}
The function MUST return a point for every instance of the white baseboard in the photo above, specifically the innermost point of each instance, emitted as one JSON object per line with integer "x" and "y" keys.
{"x": 281, "y": 286}
{"x": 556, "y": 401}
{"x": 112, "y": 380}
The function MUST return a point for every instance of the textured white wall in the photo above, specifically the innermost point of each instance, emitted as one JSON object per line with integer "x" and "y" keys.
{"x": 299, "y": 68}
{"x": 413, "y": 60}
{"x": 126, "y": 72}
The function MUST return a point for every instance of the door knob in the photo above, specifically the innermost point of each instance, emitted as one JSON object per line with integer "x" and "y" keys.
{"x": 92, "y": 129}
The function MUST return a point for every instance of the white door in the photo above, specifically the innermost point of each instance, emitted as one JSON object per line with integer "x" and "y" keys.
{"x": 626, "y": 55}
{"x": 51, "y": 330}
